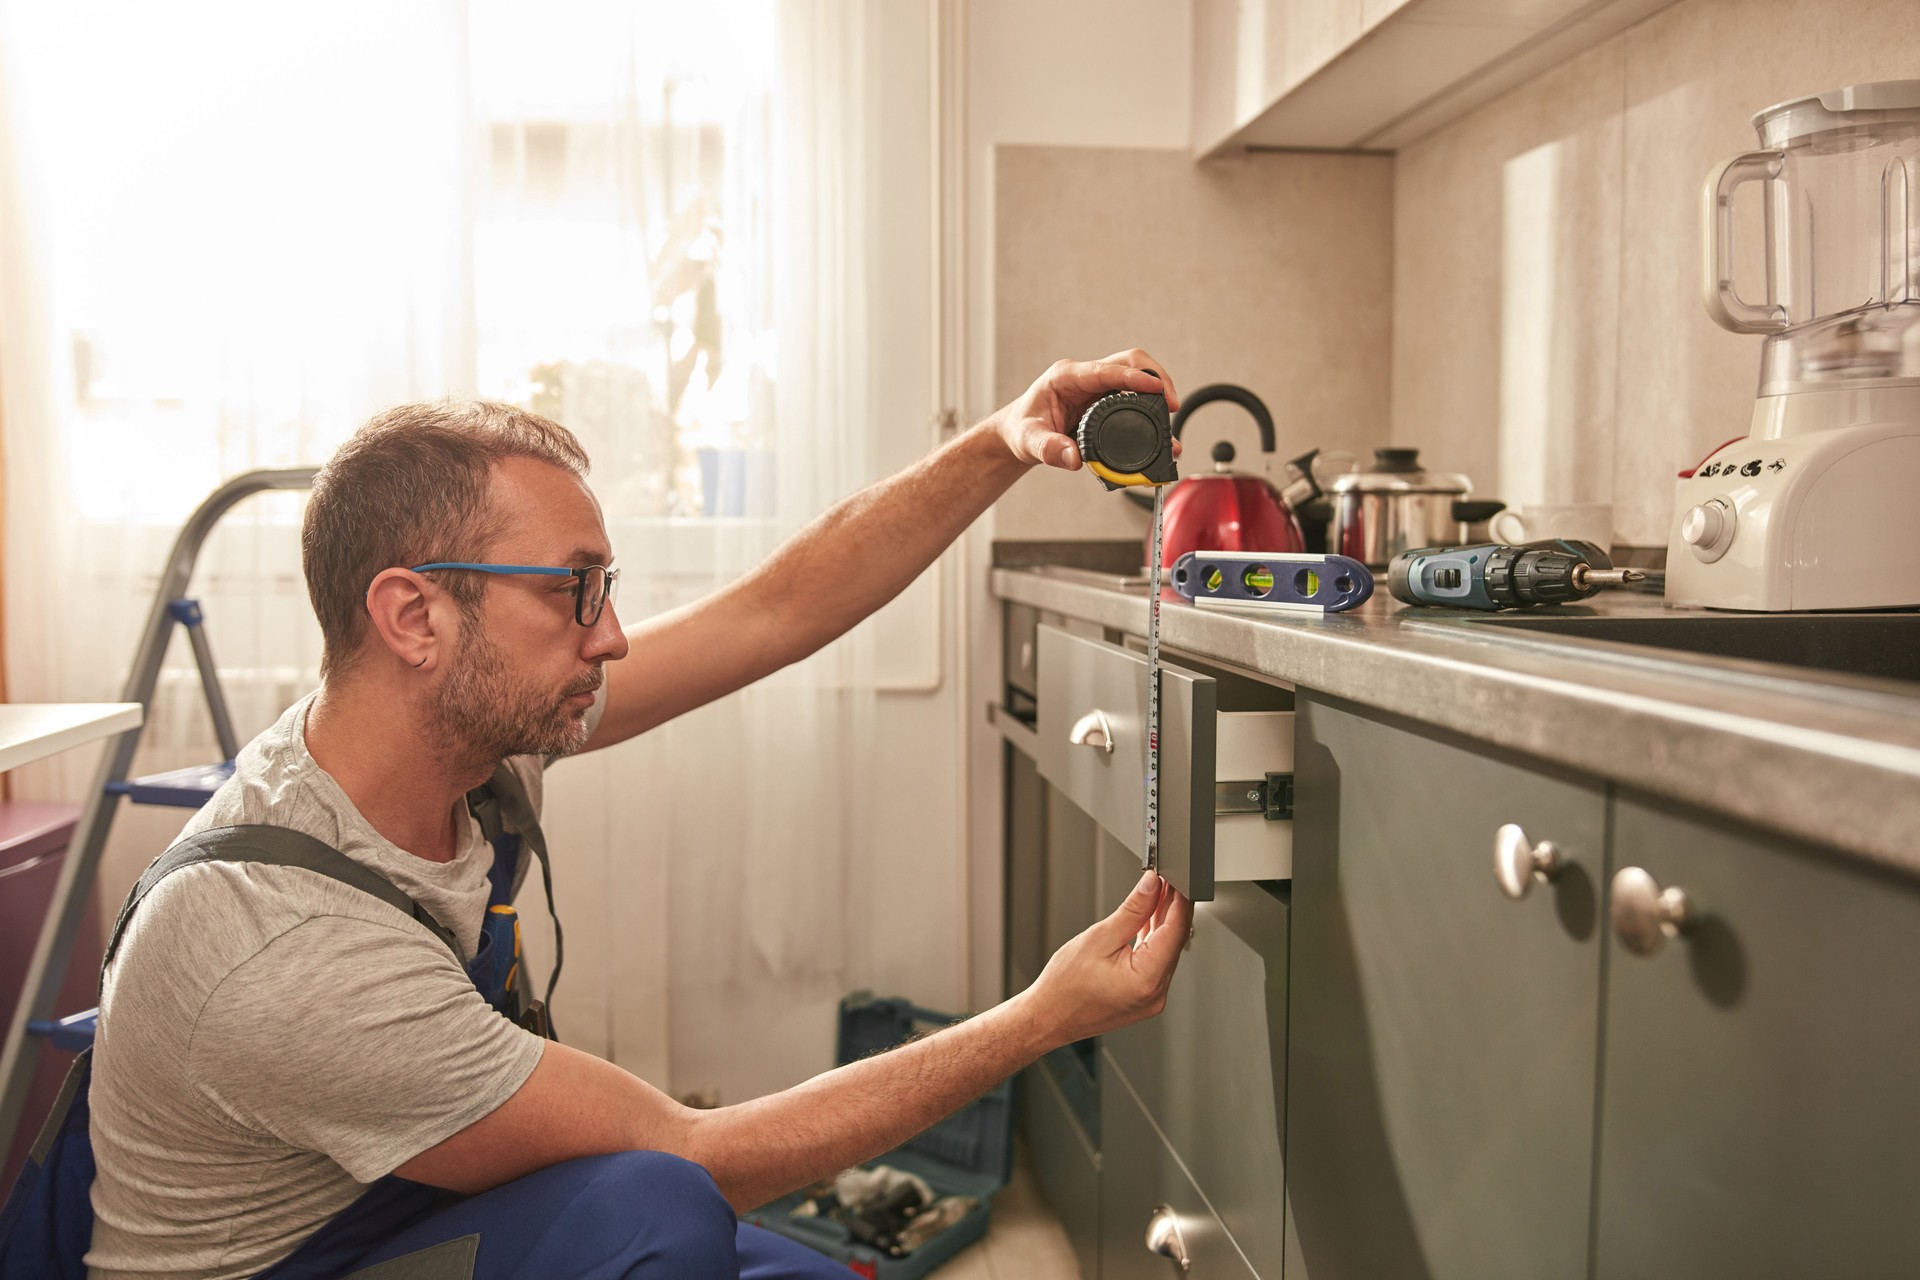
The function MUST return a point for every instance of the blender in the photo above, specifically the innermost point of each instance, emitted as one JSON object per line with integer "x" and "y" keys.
{"x": 1818, "y": 507}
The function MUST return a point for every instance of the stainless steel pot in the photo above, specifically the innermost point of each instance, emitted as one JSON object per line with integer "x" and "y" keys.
{"x": 1398, "y": 506}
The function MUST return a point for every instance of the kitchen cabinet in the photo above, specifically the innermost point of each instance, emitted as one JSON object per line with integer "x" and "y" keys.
{"x": 1143, "y": 1190}
{"x": 1422, "y": 1063}
{"x": 1025, "y": 871}
{"x": 1758, "y": 1114}
{"x": 1065, "y": 1162}
{"x": 1373, "y": 74}
{"x": 1442, "y": 1037}
{"x": 1209, "y": 1074}
{"x": 1051, "y": 874}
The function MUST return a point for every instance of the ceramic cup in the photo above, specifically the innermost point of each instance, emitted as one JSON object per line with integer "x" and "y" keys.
{"x": 1587, "y": 521}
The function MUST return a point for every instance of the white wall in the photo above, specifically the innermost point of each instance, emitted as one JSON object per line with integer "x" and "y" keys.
{"x": 1096, "y": 73}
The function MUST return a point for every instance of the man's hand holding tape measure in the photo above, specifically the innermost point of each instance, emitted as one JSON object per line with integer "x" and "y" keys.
{"x": 1039, "y": 425}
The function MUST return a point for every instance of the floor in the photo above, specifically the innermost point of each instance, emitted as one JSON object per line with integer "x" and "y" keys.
{"x": 1025, "y": 1241}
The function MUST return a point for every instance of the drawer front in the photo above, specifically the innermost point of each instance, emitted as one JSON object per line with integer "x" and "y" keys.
{"x": 1065, "y": 1165}
{"x": 1020, "y": 653}
{"x": 1202, "y": 747}
{"x": 1210, "y": 1071}
{"x": 1139, "y": 1178}
{"x": 1081, "y": 679}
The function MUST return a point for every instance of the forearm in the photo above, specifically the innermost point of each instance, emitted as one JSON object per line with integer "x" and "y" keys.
{"x": 869, "y": 547}
{"x": 762, "y": 1149}
{"x": 859, "y": 555}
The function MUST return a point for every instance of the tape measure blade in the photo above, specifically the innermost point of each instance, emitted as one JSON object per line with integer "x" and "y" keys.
{"x": 1153, "y": 687}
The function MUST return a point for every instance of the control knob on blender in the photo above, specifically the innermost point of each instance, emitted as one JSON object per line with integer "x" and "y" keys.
{"x": 1708, "y": 529}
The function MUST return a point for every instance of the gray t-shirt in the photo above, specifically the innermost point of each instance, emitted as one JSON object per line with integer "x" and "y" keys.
{"x": 272, "y": 1040}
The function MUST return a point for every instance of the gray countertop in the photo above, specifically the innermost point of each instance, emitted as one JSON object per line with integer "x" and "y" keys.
{"x": 1832, "y": 759}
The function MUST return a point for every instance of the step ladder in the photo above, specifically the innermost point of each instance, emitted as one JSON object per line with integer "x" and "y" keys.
{"x": 34, "y": 1024}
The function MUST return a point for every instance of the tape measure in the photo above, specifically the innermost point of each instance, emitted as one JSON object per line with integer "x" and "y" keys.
{"x": 1126, "y": 439}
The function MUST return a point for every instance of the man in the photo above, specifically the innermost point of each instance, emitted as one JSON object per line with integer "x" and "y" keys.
{"x": 273, "y": 1041}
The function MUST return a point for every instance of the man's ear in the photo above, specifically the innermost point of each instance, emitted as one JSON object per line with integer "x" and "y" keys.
{"x": 412, "y": 615}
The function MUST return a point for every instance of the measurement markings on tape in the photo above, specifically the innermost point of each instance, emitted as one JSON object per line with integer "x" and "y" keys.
{"x": 1153, "y": 686}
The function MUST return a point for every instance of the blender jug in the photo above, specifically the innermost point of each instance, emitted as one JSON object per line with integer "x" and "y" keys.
{"x": 1841, "y": 174}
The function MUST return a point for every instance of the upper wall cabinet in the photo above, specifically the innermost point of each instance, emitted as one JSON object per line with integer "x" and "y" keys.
{"x": 1373, "y": 74}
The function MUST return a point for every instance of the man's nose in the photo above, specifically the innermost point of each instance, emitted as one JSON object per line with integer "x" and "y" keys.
{"x": 606, "y": 642}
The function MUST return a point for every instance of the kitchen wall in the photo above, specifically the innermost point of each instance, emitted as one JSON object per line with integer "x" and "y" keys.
{"x": 1548, "y": 336}
{"x": 1271, "y": 270}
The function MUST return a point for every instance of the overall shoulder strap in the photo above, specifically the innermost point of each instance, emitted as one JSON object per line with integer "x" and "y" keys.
{"x": 278, "y": 847}
{"x": 501, "y": 803}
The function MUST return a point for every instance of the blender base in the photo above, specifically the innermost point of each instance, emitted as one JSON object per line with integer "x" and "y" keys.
{"x": 1812, "y": 520}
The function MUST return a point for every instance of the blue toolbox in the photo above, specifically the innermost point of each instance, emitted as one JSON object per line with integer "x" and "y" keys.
{"x": 970, "y": 1153}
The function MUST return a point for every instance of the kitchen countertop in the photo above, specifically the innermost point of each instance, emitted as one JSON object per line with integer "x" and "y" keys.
{"x": 1832, "y": 759}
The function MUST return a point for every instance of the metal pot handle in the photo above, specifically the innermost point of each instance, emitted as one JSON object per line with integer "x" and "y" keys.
{"x": 1723, "y": 302}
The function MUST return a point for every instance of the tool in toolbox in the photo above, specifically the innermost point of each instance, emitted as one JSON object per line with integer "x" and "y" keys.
{"x": 1494, "y": 575}
{"x": 1297, "y": 582}
{"x": 1126, "y": 439}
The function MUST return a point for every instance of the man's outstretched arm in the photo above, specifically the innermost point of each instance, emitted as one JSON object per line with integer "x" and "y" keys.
{"x": 577, "y": 1105}
{"x": 802, "y": 597}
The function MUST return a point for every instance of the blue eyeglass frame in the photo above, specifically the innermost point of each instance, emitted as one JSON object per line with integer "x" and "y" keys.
{"x": 546, "y": 570}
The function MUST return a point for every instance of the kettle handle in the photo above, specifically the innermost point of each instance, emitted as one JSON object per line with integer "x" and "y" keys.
{"x": 1238, "y": 395}
{"x": 1728, "y": 309}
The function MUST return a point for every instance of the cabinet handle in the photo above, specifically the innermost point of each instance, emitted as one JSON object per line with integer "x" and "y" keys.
{"x": 1092, "y": 730}
{"x": 1518, "y": 861}
{"x": 1644, "y": 914}
{"x": 1164, "y": 1238}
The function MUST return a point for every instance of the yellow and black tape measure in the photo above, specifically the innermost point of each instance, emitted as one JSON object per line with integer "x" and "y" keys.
{"x": 1127, "y": 440}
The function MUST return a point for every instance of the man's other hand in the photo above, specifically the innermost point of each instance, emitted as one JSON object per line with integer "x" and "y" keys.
{"x": 1116, "y": 972}
{"x": 1039, "y": 426}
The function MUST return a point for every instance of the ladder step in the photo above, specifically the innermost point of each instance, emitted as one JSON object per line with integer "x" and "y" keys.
{"x": 72, "y": 1033}
{"x": 187, "y": 788}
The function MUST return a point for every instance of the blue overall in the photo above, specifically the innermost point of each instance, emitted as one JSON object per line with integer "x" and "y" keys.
{"x": 644, "y": 1215}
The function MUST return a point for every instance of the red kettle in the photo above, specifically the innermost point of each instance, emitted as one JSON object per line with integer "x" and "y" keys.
{"x": 1224, "y": 511}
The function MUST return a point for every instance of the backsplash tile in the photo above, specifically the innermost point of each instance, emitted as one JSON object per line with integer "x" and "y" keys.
{"x": 1510, "y": 362}
{"x": 1506, "y": 287}
{"x": 1272, "y": 270}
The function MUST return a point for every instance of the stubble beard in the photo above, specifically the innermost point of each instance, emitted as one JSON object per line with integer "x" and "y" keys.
{"x": 483, "y": 715}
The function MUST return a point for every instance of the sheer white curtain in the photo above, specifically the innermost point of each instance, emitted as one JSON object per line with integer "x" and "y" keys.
{"x": 227, "y": 235}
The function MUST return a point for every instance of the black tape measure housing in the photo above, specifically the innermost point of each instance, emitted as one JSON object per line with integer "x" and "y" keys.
{"x": 1126, "y": 439}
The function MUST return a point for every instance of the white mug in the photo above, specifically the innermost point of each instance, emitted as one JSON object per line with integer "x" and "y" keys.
{"x": 1586, "y": 521}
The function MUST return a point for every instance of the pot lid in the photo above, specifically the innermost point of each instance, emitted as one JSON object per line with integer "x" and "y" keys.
{"x": 1399, "y": 471}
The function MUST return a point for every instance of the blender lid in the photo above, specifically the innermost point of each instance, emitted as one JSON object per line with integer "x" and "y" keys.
{"x": 1798, "y": 117}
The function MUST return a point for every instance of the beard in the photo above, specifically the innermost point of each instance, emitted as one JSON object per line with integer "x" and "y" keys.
{"x": 483, "y": 714}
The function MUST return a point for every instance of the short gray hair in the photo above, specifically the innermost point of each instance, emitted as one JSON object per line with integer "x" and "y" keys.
{"x": 411, "y": 487}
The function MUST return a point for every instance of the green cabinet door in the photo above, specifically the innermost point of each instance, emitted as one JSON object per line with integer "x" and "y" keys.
{"x": 1760, "y": 1112}
{"x": 1441, "y": 1044}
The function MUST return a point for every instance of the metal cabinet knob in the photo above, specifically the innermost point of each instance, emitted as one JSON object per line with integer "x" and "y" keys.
{"x": 1164, "y": 1238}
{"x": 1092, "y": 730}
{"x": 1644, "y": 914}
{"x": 1518, "y": 861}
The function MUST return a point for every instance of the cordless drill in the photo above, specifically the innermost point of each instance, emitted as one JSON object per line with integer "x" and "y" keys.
{"x": 1492, "y": 575}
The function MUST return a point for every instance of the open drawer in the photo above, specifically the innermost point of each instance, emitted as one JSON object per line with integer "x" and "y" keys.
{"x": 1226, "y": 759}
